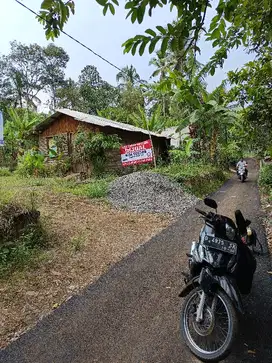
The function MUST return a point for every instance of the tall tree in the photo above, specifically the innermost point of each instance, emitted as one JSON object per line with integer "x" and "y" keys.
{"x": 128, "y": 76}
{"x": 55, "y": 62}
{"x": 211, "y": 119}
{"x": 252, "y": 89}
{"x": 22, "y": 76}
{"x": 96, "y": 93}
{"x": 29, "y": 69}
{"x": 68, "y": 96}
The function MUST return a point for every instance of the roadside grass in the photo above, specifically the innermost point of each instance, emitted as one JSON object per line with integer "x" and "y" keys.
{"x": 197, "y": 178}
{"x": 24, "y": 252}
{"x": 95, "y": 188}
{"x": 265, "y": 183}
{"x": 11, "y": 185}
{"x": 5, "y": 172}
{"x": 265, "y": 178}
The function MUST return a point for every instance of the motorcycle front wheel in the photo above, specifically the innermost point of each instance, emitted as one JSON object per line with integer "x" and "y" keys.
{"x": 210, "y": 339}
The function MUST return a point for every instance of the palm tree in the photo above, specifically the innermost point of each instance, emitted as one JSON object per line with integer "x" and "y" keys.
{"x": 162, "y": 65}
{"x": 128, "y": 76}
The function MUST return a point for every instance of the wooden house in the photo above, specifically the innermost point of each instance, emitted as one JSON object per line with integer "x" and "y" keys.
{"x": 67, "y": 122}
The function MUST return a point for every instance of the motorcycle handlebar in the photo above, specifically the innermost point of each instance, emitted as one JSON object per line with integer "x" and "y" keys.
{"x": 201, "y": 212}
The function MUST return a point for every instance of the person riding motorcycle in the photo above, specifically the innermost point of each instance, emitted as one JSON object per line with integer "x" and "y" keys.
{"x": 242, "y": 163}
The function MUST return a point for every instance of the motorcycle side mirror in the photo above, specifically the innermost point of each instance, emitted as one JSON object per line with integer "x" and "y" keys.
{"x": 210, "y": 203}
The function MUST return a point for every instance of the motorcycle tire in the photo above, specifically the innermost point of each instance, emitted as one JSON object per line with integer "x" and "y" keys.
{"x": 223, "y": 351}
{"x": 243, "y": 178}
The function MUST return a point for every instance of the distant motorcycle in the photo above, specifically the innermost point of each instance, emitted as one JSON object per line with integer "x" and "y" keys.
{"x": 242, "y": 175}
{"x": 221, "y": 268}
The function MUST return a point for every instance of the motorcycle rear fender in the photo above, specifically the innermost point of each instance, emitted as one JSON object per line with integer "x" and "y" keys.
{"x": 220, "y": 282}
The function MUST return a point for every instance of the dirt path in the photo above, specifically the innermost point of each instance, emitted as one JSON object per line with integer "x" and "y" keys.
{"x": 131, "y": 314}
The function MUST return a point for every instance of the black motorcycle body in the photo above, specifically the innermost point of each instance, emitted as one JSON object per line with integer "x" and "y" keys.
{"x": 221, "y": 269}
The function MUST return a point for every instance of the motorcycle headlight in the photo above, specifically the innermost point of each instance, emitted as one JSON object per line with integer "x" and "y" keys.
{"x": 230, "y": 232}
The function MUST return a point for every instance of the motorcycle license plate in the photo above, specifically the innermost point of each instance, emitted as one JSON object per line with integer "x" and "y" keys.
{"x": 220, "y": 244}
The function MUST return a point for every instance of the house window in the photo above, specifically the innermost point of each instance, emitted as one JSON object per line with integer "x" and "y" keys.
{"x": 62, "y": 146}
{"x": 51, "y": 147}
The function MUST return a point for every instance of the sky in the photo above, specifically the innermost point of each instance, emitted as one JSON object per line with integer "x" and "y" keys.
{"x": 103, "y": 34}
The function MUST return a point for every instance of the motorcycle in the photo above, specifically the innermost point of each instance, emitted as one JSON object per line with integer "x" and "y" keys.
{"x": 242, "y": 173}
{"x": 221, "y": 268}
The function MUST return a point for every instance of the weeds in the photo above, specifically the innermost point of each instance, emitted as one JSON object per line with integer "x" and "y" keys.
{"x": 21, "y": 253}
{"x": 96, "y": 188}
{"x": 5, "y": 172}
{"x": 77, "y": 243}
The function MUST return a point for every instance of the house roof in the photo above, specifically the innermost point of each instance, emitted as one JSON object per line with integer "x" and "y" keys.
{"x": 174, "y": 134}
{"x": 95, "y": 120}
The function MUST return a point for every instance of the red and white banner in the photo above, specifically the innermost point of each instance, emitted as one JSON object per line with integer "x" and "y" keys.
{"x": 140, "y": 153}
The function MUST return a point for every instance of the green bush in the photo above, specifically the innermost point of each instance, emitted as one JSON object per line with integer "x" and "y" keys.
{"x": 265, "y": 179}
{"x": 59, "y": 167}
{"x": 31, "y": 164}
{"x": 197, "y": 177}
{"x": 229, "y": 154}
{"x": 91, "y": 148}
{"x": 5, "y": 172}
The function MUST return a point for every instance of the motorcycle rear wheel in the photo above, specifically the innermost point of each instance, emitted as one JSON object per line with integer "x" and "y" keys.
{"x": 212, "y": 352}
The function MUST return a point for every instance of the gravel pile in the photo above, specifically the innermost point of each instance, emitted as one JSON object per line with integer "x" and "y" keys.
{"x": 149, "y": 192}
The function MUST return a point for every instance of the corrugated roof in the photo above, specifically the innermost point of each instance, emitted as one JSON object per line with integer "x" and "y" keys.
{"x": 173, "y": 133}
{"x": 95, "y": 120}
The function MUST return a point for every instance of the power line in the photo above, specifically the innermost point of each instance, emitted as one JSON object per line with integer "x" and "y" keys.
{"x": 71, "y": 37}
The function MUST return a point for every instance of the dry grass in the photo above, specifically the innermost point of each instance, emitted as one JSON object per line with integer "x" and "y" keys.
{"x": 87, "y": 237}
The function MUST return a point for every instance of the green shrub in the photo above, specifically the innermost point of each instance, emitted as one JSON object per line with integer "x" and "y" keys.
{"x": 5, "y": 172}
{"x": 31, "y": 164}
{"x": 59, "y": 167}
{"x": 265, "y": 179}
{"x": 91, "y": 148}
{"x": 229, "y": 154}
{"x": 197, "y": 177}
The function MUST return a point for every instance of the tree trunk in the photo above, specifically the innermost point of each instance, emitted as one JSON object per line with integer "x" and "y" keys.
{"x": 213, "y": 144}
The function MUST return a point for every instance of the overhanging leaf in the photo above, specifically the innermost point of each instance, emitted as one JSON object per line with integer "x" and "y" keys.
{"x": 161, "y": 29}
{"x": 151, "y": 32}
{"x": 164, "y": 45}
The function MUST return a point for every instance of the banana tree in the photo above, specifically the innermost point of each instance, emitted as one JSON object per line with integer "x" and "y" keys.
{"x": 155, "y": 123}
{"x": 212, "y": 121}
{"x": 18, "y": 130}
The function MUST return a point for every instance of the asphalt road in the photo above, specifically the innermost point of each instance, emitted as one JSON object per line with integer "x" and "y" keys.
{"x": 131, "y": 314}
